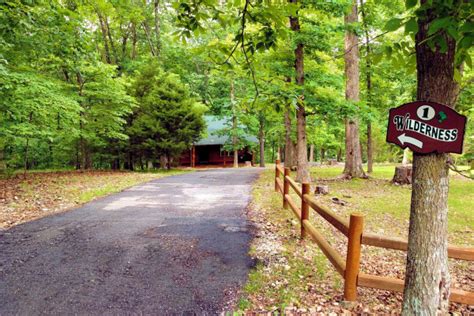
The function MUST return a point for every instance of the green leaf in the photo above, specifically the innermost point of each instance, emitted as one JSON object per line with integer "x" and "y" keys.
{"x": 443, "y": 45}
{"x": 457, "y": 75}
{"x": 410, "y": 3}
{"x": 453, "y": 33}
{"x": 376, "y": 58}
{"x": 466, "y": 42}
{"x": 439, "y": 24}
{"x": 411, "y": 26}
{"x": 467, "y": 27}
{"x": 468, "y": 60}
{"x": 393, "y": 24}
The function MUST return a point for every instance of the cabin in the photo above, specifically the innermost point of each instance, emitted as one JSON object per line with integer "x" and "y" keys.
{"x": 209, "y": 151}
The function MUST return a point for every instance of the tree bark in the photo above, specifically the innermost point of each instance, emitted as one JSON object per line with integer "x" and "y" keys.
{"x": 368, "y": 78}
{"x": 130, "y": 165}
{"x": 27, "y": 147}
{"x": 234, "y": 125}
{"x": 289, "y": 143}
{"x": 261, "y": 139}
{"x": 370, "y": 149}
{"x": 163, "y": 162}
{"x": 311, "y": 153}
{"x": 403, "y": 175}
{"x": 26, "y": 156}
{"x": 427, "y": 277}
{"x": 112, "y": 45}
{"x": 125, "y": 35}
{"x": 146, "y": 28}
{"x": 134, "y": 41}
{"x": 302, "y": 171}
{"x": 353, "y": 164}
{"x": 103, "y": 30}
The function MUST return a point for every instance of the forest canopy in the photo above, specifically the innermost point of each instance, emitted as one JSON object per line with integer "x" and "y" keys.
{"x": 122, "y": 84}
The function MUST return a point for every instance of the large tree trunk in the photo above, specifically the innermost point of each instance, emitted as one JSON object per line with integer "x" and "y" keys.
{"x": 368, "y": 78}
{"x": 261, "y": 139}
{"x": 290, "y": 149}
{"x": 427, "y": 277}
{"x": 302, "y": 171}
{"x": 353, "y": 164}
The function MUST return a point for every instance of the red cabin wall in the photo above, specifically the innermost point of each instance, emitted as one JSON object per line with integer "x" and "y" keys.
{"x": 209, "y": 155}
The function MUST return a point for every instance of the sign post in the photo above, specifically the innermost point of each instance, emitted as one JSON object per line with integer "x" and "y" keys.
{"x": 426, "y": 127}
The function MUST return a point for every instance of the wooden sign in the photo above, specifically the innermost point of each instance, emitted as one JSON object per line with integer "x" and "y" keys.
{"x": 426, "y": 127}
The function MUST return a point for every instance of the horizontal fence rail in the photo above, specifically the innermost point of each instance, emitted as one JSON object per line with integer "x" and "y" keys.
{"x": 401, "y": 244}
{"x": 349, "y": 268}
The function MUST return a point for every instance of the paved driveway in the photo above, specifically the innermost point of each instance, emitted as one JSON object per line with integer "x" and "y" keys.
{"x": 176, "y": 245}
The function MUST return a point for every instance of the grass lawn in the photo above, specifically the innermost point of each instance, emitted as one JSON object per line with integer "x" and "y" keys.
{"x": 43, "y": 193}
{"x": 294, "y": 276}
{"x": 378, "y": 198}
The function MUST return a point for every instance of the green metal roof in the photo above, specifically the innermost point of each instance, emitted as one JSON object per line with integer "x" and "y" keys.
{"x": 214, "y": 135}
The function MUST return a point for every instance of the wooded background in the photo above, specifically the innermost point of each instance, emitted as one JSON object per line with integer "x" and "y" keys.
{"x": 118, "y": 84}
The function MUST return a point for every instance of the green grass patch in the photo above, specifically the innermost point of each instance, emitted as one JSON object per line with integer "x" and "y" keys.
{"x": 382, "y": 201}
{"x": 298, "y": 274}
{"x": 42, "y": 193}
{"x": 128, "y": 180}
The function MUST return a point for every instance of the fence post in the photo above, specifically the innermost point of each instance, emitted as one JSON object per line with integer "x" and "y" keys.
{"x": 356, "y": 225}
{"x": 286, "y": 187}
{"x": 277, "y": 174}
{"x": 305, "y": 189}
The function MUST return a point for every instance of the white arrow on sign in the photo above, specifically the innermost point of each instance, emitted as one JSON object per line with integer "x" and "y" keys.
{"x": 410, "y": 140}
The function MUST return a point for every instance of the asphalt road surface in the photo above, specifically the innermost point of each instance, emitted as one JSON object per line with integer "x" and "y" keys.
{"x": 176, "y": 245}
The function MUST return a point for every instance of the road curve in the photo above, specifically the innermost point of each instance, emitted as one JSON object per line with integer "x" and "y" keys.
{"x": 177, "y": 245}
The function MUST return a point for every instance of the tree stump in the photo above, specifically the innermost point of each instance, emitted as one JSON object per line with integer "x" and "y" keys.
{"x": 322, "y": 189}
{"x": 332, "y": 162}
{"x": 403, "y": 175}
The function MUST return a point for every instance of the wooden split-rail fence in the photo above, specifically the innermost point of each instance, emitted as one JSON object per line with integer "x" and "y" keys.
{"x": 353, "y": 230}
